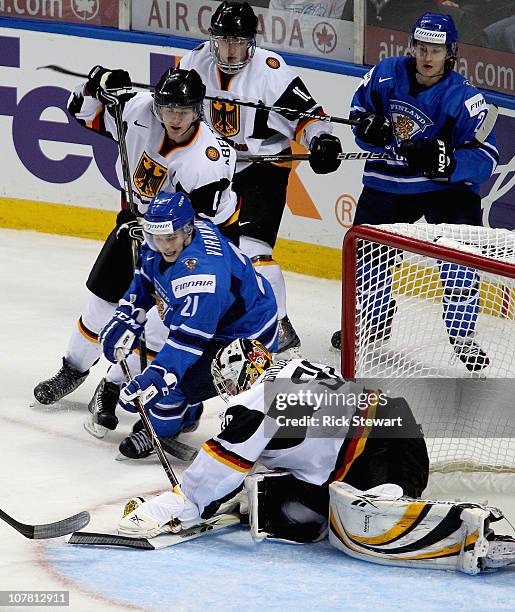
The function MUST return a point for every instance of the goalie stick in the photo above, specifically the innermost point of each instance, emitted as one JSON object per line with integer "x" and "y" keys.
{"x": 48, "y": 530}
{"x": 215, "y": 523}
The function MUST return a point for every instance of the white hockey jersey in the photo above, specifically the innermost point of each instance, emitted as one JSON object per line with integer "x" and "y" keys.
{"x": 267, "y": 79}
{"x": 157, "y": 163}
{"x": 253, "y": 432}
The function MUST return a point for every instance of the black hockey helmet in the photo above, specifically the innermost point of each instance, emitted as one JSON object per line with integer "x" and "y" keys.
{"x": 179, "y": 88}
{"x": 234, "y": 19}
{"x": 236, "y": 22}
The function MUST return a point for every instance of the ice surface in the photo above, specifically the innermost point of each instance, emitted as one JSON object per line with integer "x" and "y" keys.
{"x": 51, "y": 468}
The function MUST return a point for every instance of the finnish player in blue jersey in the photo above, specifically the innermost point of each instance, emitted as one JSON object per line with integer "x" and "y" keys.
{"x": 420, "y": 111}
{"x": 207, "y": 293}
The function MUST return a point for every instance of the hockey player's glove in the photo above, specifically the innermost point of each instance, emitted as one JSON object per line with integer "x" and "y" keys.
{"x": 128, "y": 226}
{"x": 120, "y": 335}
{"x": 153, "y": 386}
{"x": 102, "y": 81}
{"x": 430, "y": 157}
{"x": 324, "y": 151}
{"x": 373, "y": 129}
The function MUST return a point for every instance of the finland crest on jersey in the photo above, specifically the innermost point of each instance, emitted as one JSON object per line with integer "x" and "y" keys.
{"x": 407, "y": 120}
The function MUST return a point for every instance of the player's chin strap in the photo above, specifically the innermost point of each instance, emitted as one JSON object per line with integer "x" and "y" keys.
{"x": 382, "y": 526}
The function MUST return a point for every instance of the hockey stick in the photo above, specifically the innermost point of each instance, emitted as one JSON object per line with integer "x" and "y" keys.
{"x": 215, "y": 523}
{"x": 62, "y": 70}
{"x": 282, "y": 109}
{"x": 178, "y": 449}
{"x": 151, "y": 432}
{"x": 480, "y": 136}
{"x": 49, "y": 530}
{"x": 129, "y": 198}
{"x": 351, "y": 155}
{"x": 258, "y": 105}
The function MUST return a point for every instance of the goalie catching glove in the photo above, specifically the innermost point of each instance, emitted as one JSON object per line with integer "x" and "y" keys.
{"x": 429, "y": 157}
{"x": 323, "y": 155}
{"x": 120, "y": 335}
{"x": 102, "y": 81}
{"x": 167, "y": 513}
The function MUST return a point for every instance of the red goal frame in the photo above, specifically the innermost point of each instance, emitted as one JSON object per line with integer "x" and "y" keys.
{"x": 413, "y": 245}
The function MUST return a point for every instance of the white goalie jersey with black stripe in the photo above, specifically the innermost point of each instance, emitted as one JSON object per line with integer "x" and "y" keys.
{"x": 157, "y": 163}
{"x": 253, "y": 431}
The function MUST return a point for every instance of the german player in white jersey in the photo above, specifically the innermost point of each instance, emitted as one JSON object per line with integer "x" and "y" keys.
{"x": 339, "y": 475}
{"x": 169, "y": 147}
{"x": 232, "y": 67}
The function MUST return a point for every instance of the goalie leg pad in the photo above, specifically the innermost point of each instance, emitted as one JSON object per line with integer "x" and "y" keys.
{"x": 283, "y": 508}
{"x": 408, "y": 532}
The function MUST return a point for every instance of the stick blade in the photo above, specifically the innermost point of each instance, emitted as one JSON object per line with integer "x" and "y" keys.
{"x": 86, "y": 538}
{"x": 178, "y": 449}
{"x": 164, "y": 540}
{"x": 488, "y": 124}
{"x": 61, "y": 528}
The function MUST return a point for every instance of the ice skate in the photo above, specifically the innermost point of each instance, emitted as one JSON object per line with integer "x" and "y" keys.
{"x": 470, "y": 353}
{"x": 61, "y": 384}
{"x": 102, "y": 408}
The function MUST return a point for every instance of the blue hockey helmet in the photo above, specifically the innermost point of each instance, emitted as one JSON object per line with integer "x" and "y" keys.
{"x": 167, "y": 214}
{"x": 437, "y": 29}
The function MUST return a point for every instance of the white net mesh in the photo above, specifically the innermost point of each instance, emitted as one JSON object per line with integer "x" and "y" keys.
{"x": 425, "y": 317}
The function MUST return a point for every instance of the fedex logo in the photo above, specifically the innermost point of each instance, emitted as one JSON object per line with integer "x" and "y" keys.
{"x": 29, "y": 130}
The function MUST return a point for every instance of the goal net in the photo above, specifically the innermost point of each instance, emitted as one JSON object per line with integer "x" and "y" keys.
{"x": 431, "y": 310}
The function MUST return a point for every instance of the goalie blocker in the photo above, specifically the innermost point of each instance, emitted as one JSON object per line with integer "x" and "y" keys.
{"x": 382, "y": 526}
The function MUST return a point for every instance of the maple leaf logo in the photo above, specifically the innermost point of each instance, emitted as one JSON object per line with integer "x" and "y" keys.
{"x": 324, "y": 37}
{"x": 87, "y": 6}
{"x": 85, "y": 9}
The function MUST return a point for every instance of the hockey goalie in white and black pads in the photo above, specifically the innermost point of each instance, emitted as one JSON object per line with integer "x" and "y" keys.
{"x": 374, "y": 481}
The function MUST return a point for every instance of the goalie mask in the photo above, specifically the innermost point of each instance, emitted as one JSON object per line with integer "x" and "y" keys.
{"x": 438, "y": 30}
{"x": 236, "y": 367}
{"x": 233, "y": 36}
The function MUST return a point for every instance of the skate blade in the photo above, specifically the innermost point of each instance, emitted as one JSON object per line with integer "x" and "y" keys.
{"x": 94, "y": 429}
{"x": 120, "y": 457}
